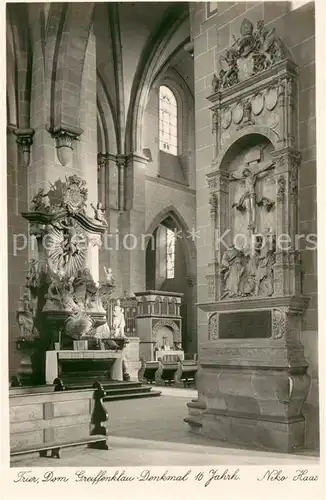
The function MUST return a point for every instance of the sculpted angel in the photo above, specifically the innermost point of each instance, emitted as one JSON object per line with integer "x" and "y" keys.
{"x": 99, "y": 212}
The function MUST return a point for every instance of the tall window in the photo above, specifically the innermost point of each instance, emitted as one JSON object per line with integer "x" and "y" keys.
{"x": 170, "y": 254}
{"x": 168, "y": 121}
{"x": 211, "y": 9}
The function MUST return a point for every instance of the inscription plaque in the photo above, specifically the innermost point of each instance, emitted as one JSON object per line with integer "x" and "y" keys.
{"x": 245, "y": 325}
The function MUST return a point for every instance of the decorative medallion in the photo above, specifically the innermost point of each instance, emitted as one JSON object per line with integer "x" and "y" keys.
{"x": 271, "y": 99}
{"x": 273, "y": 120}
{"x": 75, "y": 194}
{"x": 226, "y": 118}
{"x": 225, "y": 138}
{"x": 237, "y": 113}
{"x": 257, "y": 104}
{"x": 279, "y": 323}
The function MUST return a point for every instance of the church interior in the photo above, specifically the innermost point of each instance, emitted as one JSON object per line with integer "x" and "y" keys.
{"x": 162, "y": 228}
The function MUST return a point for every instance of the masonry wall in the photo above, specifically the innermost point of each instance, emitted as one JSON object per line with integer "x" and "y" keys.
{"x": 211, "y": 36}
{"x": 17, "y": 244}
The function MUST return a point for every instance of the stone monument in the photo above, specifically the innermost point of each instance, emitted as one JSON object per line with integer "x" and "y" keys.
{"x": 252, "y": 379}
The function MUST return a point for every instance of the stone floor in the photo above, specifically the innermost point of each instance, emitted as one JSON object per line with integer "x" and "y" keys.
{"x": 152, "y": 431}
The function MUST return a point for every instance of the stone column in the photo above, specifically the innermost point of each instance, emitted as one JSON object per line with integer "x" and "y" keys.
{"x": 132, "y": 225}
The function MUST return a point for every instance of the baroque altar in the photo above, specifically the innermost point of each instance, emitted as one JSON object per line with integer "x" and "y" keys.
{"x": 63, "y": 308}
{"x": 252, "y": 379}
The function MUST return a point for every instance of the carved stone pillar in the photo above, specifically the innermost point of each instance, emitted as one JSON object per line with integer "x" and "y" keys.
{"x": 132, "y": 225}
{"x": 218, "y": 185}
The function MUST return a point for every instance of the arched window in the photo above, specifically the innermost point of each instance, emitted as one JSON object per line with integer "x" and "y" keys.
{"x": 168, "y": 121}
{"x": 170, "y": 254}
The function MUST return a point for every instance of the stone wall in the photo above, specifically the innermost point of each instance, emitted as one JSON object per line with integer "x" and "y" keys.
{"x": 211, "y": 36}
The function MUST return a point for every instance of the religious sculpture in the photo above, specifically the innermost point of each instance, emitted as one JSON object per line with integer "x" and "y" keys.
{"x": 25, "y": 318}
{"x": 215, "y": 83}
{"x": 109, "y": 280}
{"x": 99, "y": 212}
{"x": 37, "y": 202}
{"x": 67, "y": 297}
{"x": 248, "y": 200}
{"x": 118, "y": 320}
{"x": 232, "y": 268}
{"x": 264, "y": 274}
{"x": 256, "y": 50}
{"x": 249, "y": 272}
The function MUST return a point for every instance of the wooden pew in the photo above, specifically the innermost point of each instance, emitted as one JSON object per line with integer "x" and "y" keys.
{"x": 146, "y": 373}
{"x": 48, "y": 421}
{"x": 186, "y": 373}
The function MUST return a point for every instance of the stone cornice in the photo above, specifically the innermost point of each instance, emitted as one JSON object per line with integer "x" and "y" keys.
{"x": 254, "y": 84}
{"x": 295, "y": 304}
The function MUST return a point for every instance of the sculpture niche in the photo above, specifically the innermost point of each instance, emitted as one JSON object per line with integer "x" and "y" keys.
{"x": 61, "y": 301}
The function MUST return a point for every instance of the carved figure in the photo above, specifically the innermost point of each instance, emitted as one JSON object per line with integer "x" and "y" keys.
{"x": 99, "y": 212}
{"x": 215, "y": 84}
{"x": 69, "y": 244}
{"x": 232, "y": 268}
{"x": 67, "y": 295}
{"x": 213, "y": 201}
{"x": 269, "y": 45}
{"x": 37, "y": 203}
{"x": 32, "y": 277}
{"x": 248, "y": 200}
{"x": 229, "y": 68}
{"x": 25, "y": 318}
{"x": 109, "y": 280}
{"x": 118, "y": 320}
{"x": 264, "y": 273}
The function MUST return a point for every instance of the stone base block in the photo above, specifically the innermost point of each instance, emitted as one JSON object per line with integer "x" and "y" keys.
{"x": 254, "y": 433}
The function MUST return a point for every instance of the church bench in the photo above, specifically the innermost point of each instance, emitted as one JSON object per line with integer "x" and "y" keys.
{"x": 55, "y": 446}
{"x": 146, "y": 373}
{"x": 43, "y": 421}
{"x": 186, "y": 373}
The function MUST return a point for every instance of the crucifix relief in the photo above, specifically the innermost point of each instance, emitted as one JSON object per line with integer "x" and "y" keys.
{"x": 248, "y": 201}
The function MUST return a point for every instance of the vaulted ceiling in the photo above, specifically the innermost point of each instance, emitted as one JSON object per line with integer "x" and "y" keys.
{"x": 135, "y": 42}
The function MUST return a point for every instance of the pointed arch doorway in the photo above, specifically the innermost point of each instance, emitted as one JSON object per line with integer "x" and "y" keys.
{"x": 170, "y": 267}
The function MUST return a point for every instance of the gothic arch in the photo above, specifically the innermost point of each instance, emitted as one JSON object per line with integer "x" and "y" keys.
{"x": 146, "y": 72}
{"x": 188, "y": 244}
{"x": 106, "y": 119}
{"x": 252, "y": 130}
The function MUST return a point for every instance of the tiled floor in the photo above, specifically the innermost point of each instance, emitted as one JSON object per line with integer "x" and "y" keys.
{"x": 152, "y": 431}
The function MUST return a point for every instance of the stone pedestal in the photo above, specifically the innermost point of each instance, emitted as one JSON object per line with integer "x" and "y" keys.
{"x": 131, "y": 356}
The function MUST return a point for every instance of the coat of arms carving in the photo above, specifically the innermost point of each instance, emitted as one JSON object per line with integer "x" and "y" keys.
{"x": 256, "y": 50}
